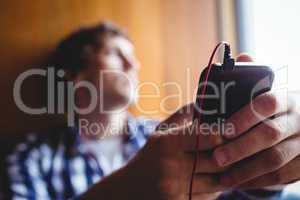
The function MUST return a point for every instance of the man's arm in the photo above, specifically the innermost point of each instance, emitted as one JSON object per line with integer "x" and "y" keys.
{"x": 118, "y": 185}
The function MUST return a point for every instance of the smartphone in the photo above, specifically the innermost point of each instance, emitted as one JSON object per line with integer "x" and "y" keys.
{"x": 229, "y": 89}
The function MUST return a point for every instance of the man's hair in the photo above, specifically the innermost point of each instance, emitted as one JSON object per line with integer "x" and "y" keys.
{"x": 69, "y": 53}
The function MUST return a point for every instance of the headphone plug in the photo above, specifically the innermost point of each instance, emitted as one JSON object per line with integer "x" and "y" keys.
{"x": 228, "y": 61}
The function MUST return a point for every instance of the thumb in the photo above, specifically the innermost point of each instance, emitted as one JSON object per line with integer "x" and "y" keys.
{"x": 243, "y": 57}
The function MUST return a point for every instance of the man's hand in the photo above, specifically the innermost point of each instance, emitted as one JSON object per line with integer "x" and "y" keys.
{"x": 262, "y": 153}
{"x": 162, "y": 168}
{"x": 258, "y": 154}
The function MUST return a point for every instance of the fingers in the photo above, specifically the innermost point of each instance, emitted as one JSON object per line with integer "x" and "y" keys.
{"x": 189, "y": 134}
{"x": 243, "y": 57}
{"x": 205, "y": 163}
{"x": 208, "y": 142}
{"x": 208, "y": 136}
{"x": 261, "y": 108}
{"x": 257, "y": 139}
{"x": 266, "y": 162}
{"x": 287, "y": 174}
{"x": 179, "y": 118}
{"x": 175, "y": 141}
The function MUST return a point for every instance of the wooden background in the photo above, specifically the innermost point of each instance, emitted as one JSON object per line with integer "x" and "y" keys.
{"x": 173, "y": 39}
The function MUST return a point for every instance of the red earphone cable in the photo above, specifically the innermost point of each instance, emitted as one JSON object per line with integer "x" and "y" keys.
{"x": 203, "y": 89}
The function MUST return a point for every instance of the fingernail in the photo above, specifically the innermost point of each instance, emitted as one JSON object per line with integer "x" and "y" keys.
{"x": 221, "y": 157}
{"x": 229, "y": 131}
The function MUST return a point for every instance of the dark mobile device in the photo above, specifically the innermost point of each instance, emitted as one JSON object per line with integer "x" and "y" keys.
{"x": 230, "y": 88}
{"x": 225, "y": 88}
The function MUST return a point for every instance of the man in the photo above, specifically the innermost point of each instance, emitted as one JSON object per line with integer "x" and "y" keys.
{"x": 127, "y": 159}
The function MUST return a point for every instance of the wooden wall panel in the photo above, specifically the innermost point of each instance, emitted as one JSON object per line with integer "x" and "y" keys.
{"x": 169, "y": 35}
{"x": 190, "y": 34}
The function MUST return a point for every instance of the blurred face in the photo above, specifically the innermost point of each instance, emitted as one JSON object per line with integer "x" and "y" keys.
{"x": 113, "y": 70}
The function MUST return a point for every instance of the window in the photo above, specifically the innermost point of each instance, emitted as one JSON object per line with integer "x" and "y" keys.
{"x": 269, "y": 30}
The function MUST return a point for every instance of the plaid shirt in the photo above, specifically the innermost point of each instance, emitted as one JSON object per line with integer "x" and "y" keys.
{"x": 55, "y": 166}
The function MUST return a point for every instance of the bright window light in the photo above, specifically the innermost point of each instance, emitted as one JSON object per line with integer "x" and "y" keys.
{"x": 270, "y": 31}
{"x": 274, "y": 36}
